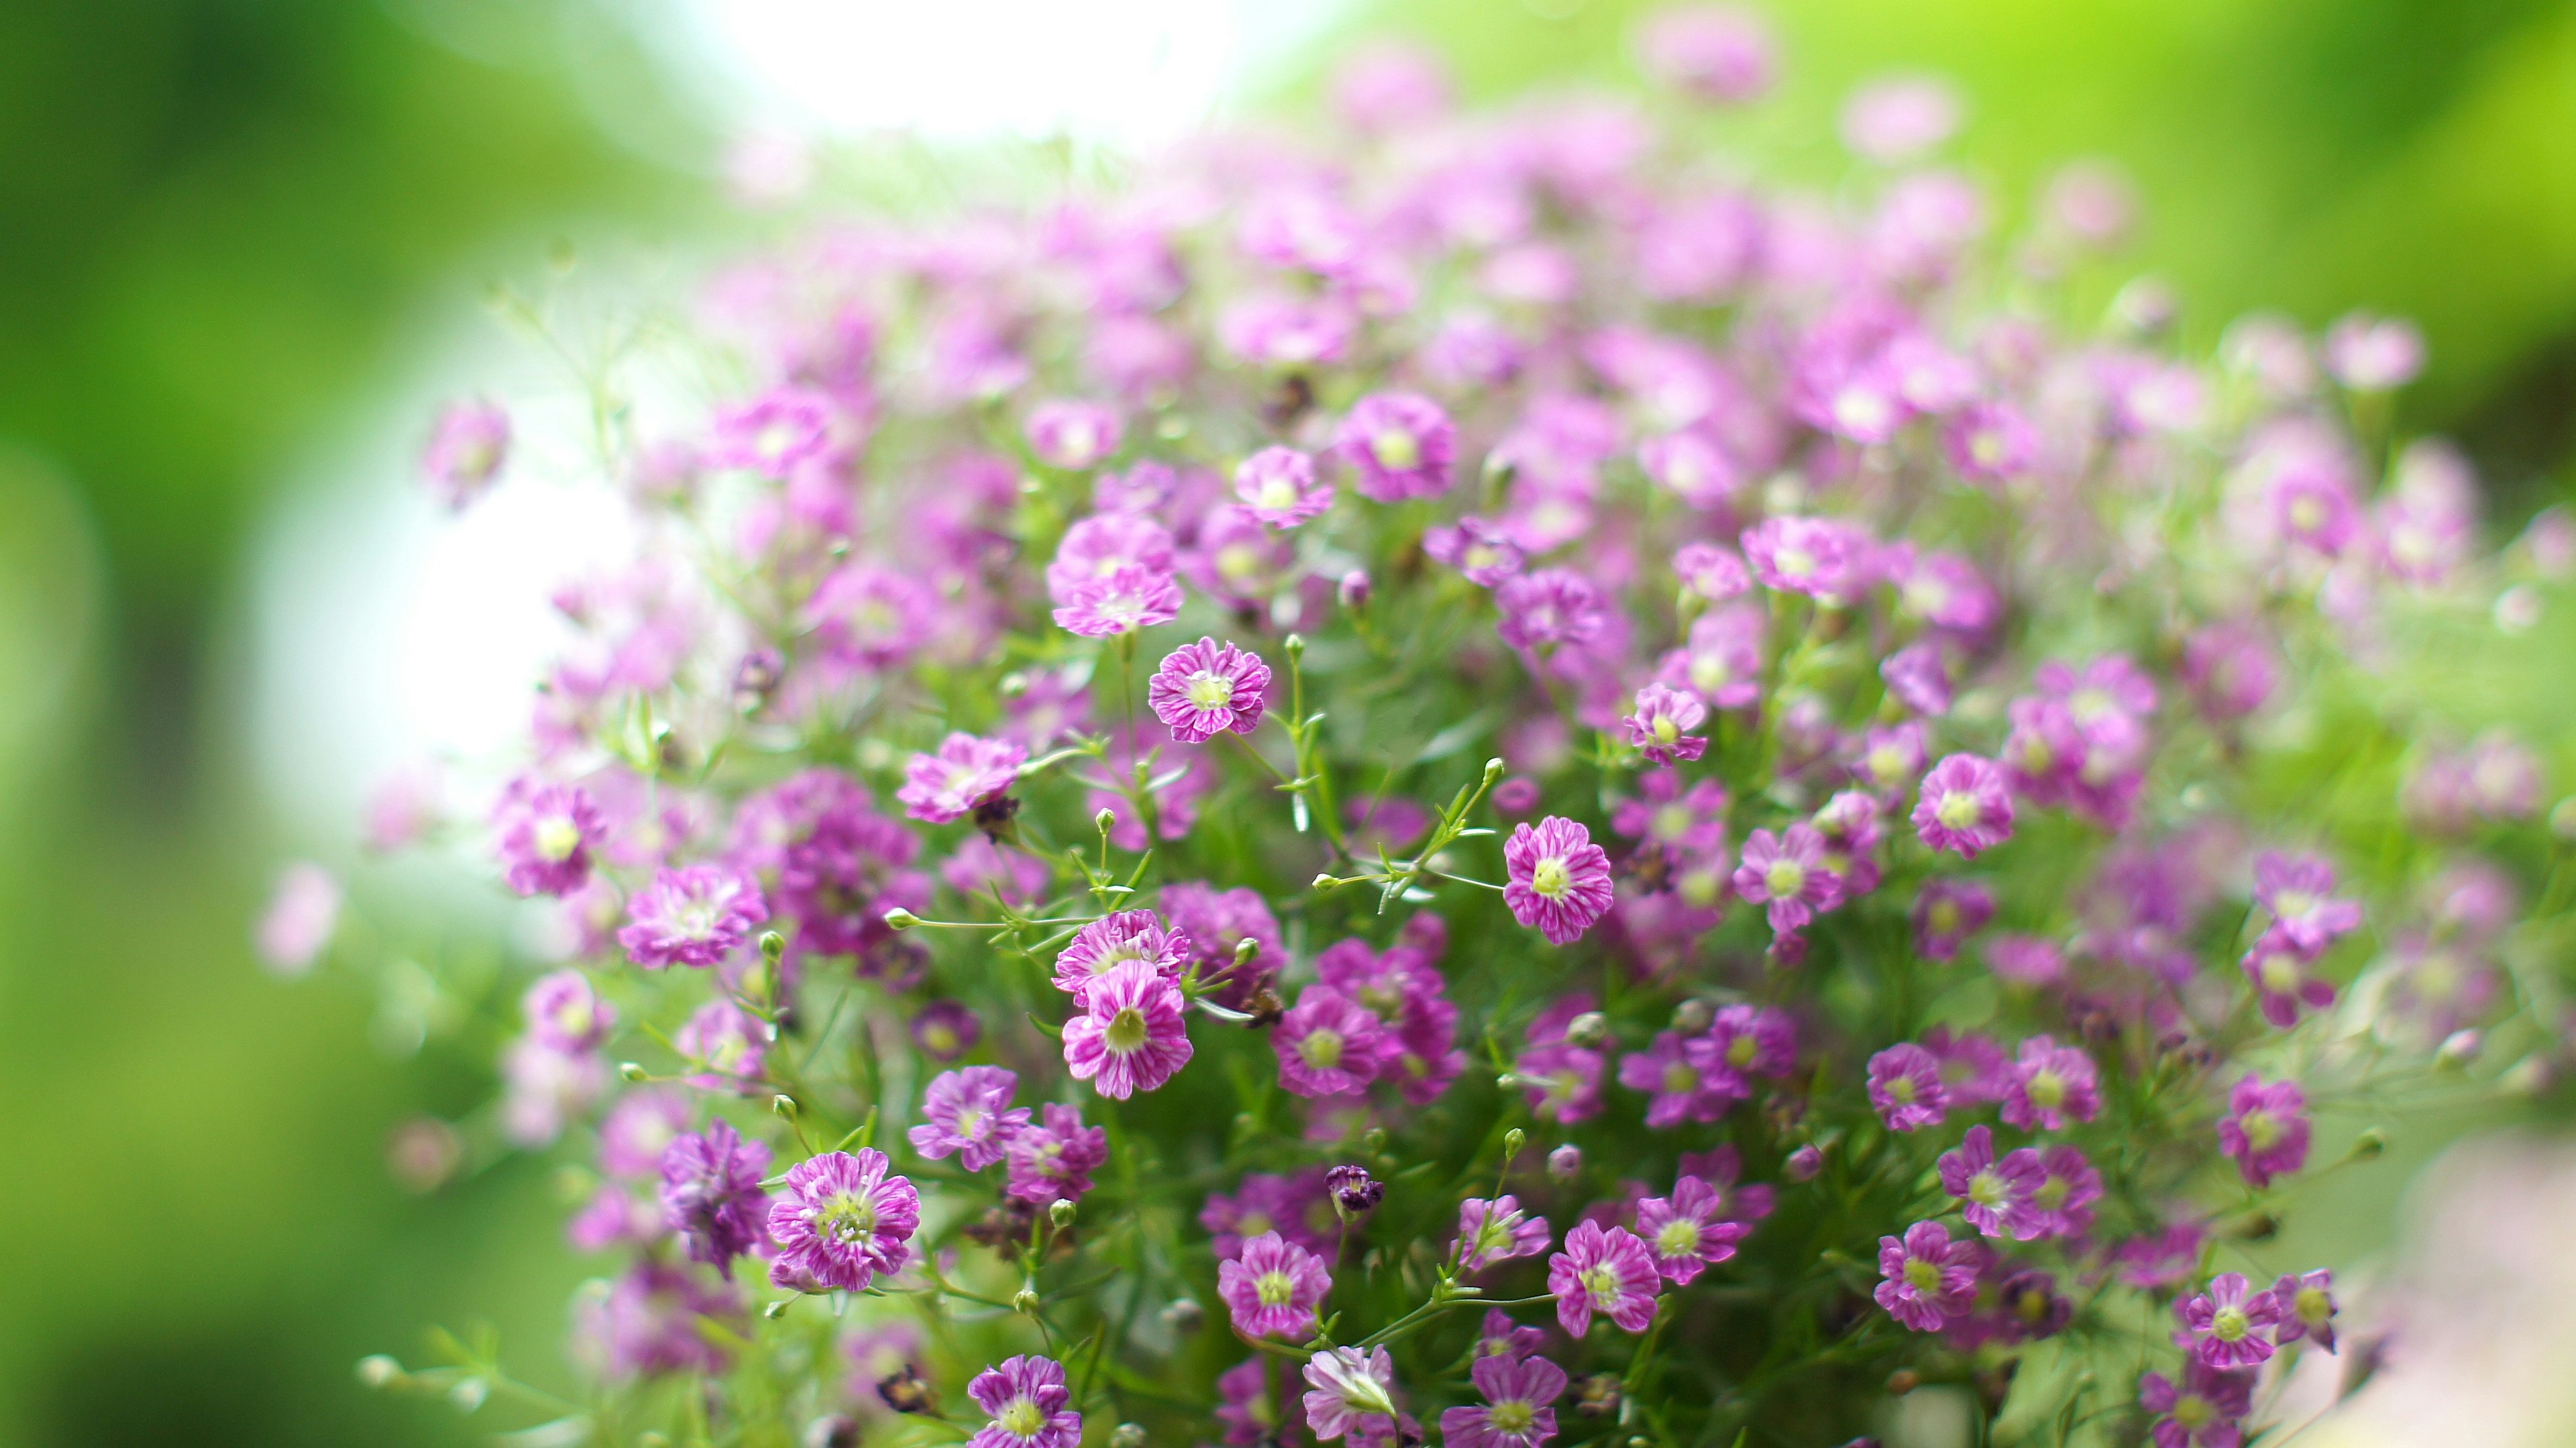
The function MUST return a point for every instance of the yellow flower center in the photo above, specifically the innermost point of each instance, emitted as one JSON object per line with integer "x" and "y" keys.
{"x": 1397, "y": 450}
{"x": 1126, "y": 1032}
{"x": 1551, "y": 878}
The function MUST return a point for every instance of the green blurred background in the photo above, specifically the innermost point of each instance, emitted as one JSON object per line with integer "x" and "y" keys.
{"x": 227, "y": 228}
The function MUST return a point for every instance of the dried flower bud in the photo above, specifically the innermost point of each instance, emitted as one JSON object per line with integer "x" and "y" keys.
{"x": 1355, "y": 1193}
{"x": 756, "y": 678}
{"x": 1597, "y": 1396}
{"x": 905, "y": 1391}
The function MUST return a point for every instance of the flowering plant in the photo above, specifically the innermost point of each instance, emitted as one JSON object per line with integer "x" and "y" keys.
{"x": 1485, "y": 781}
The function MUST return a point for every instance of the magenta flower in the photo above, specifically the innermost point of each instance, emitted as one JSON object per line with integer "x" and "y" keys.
{"x": 2068, "y": 1187}
{"x": 1484, "y": 553}
{"x": 1273, "y": 1288}
{"x": 1685, "y": 1078}
{"x": 967, "y": 1113}
{"x": 1563, "y": 1081}
{"x": 1074, "y": 436}
{"x": 1519, "y": 1411}
{"x": 1964, "y": 807}
{"x": 842, "y": 1221}
{"x": 967, "y": 771}
{"x": 1400, "y": 444}
{"x": 1990, "y": 442}
{"x": 1497, "y": 1231}
{"x": 1746, "y": 1041}
{"x": 2265, "y": 1129}
{"x": 2283, "y": 982}
{"x": 1114, "y": 940}
{"x": 1995, "y": 1196}
{"x": 773, "y": 434}
{"x": 1557, "y": 880}
{"x": 1905, "y": 1088}
{"x": 1204, "y": 689}
{"x": 871, "y": 616}
{"x": 2205, "y": 1411}
{"x": 467, "y": 448}
{"x": 566, "y": 1013}
{"x": 1660, "y": 728}
{"x": 1721, "y": 661}
{"x": 695, "y": 915}
{"x": 2307, "y": 1309}
{"x": 1788, "y": 874}
{"x": 299, "y": 921}
{"x": 1130, "y": 1037}
{"x": 1350, "y": 1391}
{"x": 1328, "y": 1044}
{"x": 1820, "y": 557}
{"x": 1918, "y": 678}
{"x": 728, "y": 1043}
{"x": 1551, "y": 607}
{"x": 1698, "y": 471}
{"x": 1687, "y": 1232}
{"x": 2051, "y": 1085}
{"x": 1930, "y": 1279}
{"x": 711, "y": 1194}
{"x": 1297, "y": 1207}
{"x": 1603, "y": 1272}
{"x": 1028, "y": 1403}
{"x": 2299, "y": 891}
{"x": 1121, "y": 601}
{"x": 547, "y": 835}
{"x": 2374, "y": 354}
{"x": 1678, "y": 819}
{"x": 1053, "y": 1161}
{"x": 2223, "y": 1327}
{"x": 1721, "y": 54}
{"x": 1278, "y": 485}
{"x": 1947, "y": 913}
{"x": 1100, "y": 545}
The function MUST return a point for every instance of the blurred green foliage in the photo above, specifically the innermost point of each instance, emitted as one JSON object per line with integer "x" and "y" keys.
{"x": 224, "y": 222}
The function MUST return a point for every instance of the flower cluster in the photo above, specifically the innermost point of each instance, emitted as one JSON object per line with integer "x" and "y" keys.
{"x": 1492, "y": 751}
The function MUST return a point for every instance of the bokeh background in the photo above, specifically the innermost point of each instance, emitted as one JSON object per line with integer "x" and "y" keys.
{"x": 244, "y": 242}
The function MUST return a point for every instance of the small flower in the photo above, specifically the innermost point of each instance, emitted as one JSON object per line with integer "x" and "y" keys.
{"x": 1685, "y": 1232}
{"x": 1328, "y": 1044}
{"x": 1351, "y": 1391}
{"x": 2283, "y": 983}
{"x": 1273, "y": 1288}
{"x": 968, "y": 1114}
{"x": 1788, "y": 873}
{"x": 843, "y": 1221}
{"x": 1684, "y": 1077}
{"x": 1964, "y": 806}
{"x": 728, "y": 1043}
{"x": 2204, "y": 1412}
{"x": 696, "y": 915}
{"x": 2374, "y": 354}
{"x": 1660, "y": 728}
{"x": 1746, "y": 1041}
{"x": 547, "y": 836}
{"x": 1948, "y": 912}
{"x": 1497, "y": 1231}
{"x": 1995, "y": 1196}
{"x": 1552, "y": 607}
{"x": 1130, "y": 1036}
{"x": 2266, "y": 1129}
{"x": 1606, "y": 1272}
{"x": 2223, "y": 1327}
{"x": 1353, "y": 1191}
{"x": 1558, "y": 880}
{"x": 1278, "y": 485}
{"x": 1918, "y": 679}
{"x": 1714, "y": 573}
{"x": 711, "y": 1193}
{"x": 2051, "y": 1085}
{"x": 1905, "y": 1088}
{"x": 1112, "y": 941}
{"x": 1400, "y": 444}
{"x": 2068, "y": 1186}
{"x": 565, "y": 1012}
{"x": 967, "y": 771}
{"x": 300, "y": 919}
{"x": 1484, "y": 553}
{"x": 1054, "y": 1161}
{"x": 2307, "y": 1309}
{"x": 1120, "y": 601}
{"x": 1930, "y": 1279}
{"x": 1074, "y": 436}
{"x": 946, "y": 1030}
{"x": 1028, "y": 1403}
{"x": 466, "y": 450}
{"x": 773, "y": 434}
{"x": 1519, "y": 1412}
{"x": 2299, "y": 891}
{"x": 2032, "y": 1306}
{"x": 1819, "y": 557}
{"x": 1204, "y": 689}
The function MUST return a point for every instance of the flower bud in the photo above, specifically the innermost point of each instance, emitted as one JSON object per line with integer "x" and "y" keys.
{"x": 1128, "y": 1435}
{"x": 1903, "y": 1381}
{"x": 1588, "y": 1029}
{"x": 1804, "y": 1163}
{"x": 2370, "y": 1144}
{"x": 1106, "y": 820}
{"x": 1513, "y": 1141}
{"x": 2528, "y": 1077}
{"x": 1183, "y": 1315}
{"x": 1597, "y": 1396}
{"x": 785, "y": 1106}
{"x": 1565, "y": 1163}
{"x": 1025, "y": 1302}
{"x": 1355, "y": 1193}
{"x": 2518, "y": 609}
{"x": 2459, "y": 1049}
{"x": 633, "y": 1071}
{"x": 469, "y": 1394}
{"x": 1060, "y": 1213}
{"x": 1354, "y": 589}
{"x": 379, "y": 1371}
{"x": 904, "y": 1391}
{"x": 1693, "y": 1016}
{"x": 898, "y": 918}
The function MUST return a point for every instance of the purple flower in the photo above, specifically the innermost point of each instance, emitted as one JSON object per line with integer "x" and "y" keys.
{"x": 2068, "y": 1186}
{"x": 1075, "y": 436}
{"x": 774, "y": 433}
{"x": 565, "y": 1012}
{"x": 1130, "y": 1036}
{"x": 1685, "y": 1078}
{"x": 1995, "y": 1196}
{"x": 968, "y": 1114}
{"x": 2051, "y": 1085}
{"x": 1820, "y": 557}
{"x": 842, "y": 1221}
{"x": 1694, "y": 821}
{"x": 2374, "y": 354}
{"x": 300, "y": 918}
{"x": 1400, "y": 444}
{"x": 946, "y": 1030}
{"x": 1278, "y": 485}
{"x": 639, "y": 1128}
{"x": 1296, "y": 1207}
{"x": 467, "y": 448}
{"x": 1660, "y": 728}
{"x": 1204, "y": 689}
{"x": 1485, "y": 554}
{"x": 2204, "y": 1412}
{"x": 1686, "y": 1232}
{"x": 2231, "y": 669}
{"x": 2265, "y": 1129}
{"x": 870, "y": 616}
{"x": 728, "y": 1043}
{"x": 1121, "y": 601}
{"x": 1216, "y": 923}
{"x": 2299, "y": 891}
{"x": 1328, "y": 1044}
{"x": 1519, "y": 1395}
{"x": 1550, "y": 607}
{"x": 1499, "y": 1336}
{"x": 1697, "y": 470}
{"x": 1712, "y": 572}
{"x": 1496, "y": 1231}
{"x": 1605, "y": 1272}
{"x": 2223, "y": 1327}
{"x": 1788, "y": 873}
{"x": 547, "y": 835}
{"x": 1721, "y": 54}
{"x": 648, "y": 1325}
{"x": 1905, "y": 1088}
{"x": 1245, "y": 1406}
{"x": 1103, "y": 544}
{"x": 1114, "y": 940}
{"x": 1930, "y": 1279}
{"x": 695, "y": 915}
{"x": 2283, "y": 982}
{"x": 1964, "y": 806}
{"x": 1028, "y": 1403}
{"x": 1054, "y": 1161}
{"x": 1918, "y": 679}
{"x": 1557, "y": 880}
{"x": 1948, "y": 912}
{"x": 1750, "y": 1041}
{"x": 2307, "y": 1309}
{"x": 1350, "y": 1391}
{"x": 1990, "y": 442}
{"x": 1721, "y": 661}
{"x": 967, "y": 771}
{"x": 1273, "y": 1288}
{"x": 711, "y": 1193}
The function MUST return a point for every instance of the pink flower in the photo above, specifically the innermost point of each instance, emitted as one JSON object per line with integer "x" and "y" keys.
{"x": 968, "y": 1114}
{"x": 1686, "y": 1078}
{"x": 1995, "y": 1196}
{"x": 2374, "y": 354}
{"x": 2223, "y": 1327}
{"x": 1820, "y": 557}
{"x": 466, "y": 451}
{"x": 1114, "y": 940}
{"x": 773, "y": 434}
{"x": 1351, "y": 1391}
{"x": 1028, "y": 1403}
{"x": 966, "y": 772}
{"x": 1204, "y": 689}
{"x": 1278, "y": 485}
{"x": 1273, "y": 1288}
{"x": 1948, "y": 912}
{"x": 1930, "y": 1279}
{"x": 1721, "y": 661}
{"x": 1558, "y": 881}
{"x": 547, "y": 835}
{"x": 2307, "y": 1308}
{"x": 1788, "y": 874}
{"x": 300, "y": 919}
{"x": 1328, "y": 1044}
{"x": 565, "y": 1012}
{"x": 1053, "y": 1161}
{"x": 1685, "y": 1232}
{"x": 1102, "y": 544}
{"x": 1905, "y": 1088}
{"x": 1918, "y": 679}
{"x": 696, "y": 916}
{"x": 1605, "y": 1272}
{"x": 1519, "y": 1395}
{"x": 1130, "y": 1037}
{"x": 1400, "y": 444}
{"x": 2265, "y": 1129}
{"x": 2068, "y": 1186}
{"x": 2051, "y": 1085}
{"x": 1551, "y": 607}
{"x": 2299, "y": 891}
{"x": 1121, "y": 601}
{"x": 2206, "y": 1411}
{"x": 1497, "y": 1231}
{"x": 2283, "y": 982}
{"x": 870, "y": 616}
{"x": 1990, "y": 442}
{"x": 1075, "y": 436}
{"x": 841, "y": 1220}
{"x": 1964, "y": 806}
{"x": 1660, "y": 728}
{"x": 1485, "y": 554}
